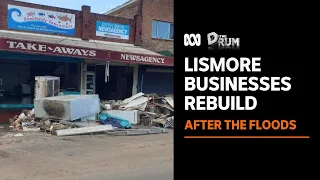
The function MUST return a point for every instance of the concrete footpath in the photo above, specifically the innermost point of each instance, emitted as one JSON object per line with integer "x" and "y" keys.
{"x": 41, "y": 156}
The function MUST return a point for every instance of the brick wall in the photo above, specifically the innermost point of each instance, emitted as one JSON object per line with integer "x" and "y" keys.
{"x": 161, "y": 10}
{"x": 85, "y": 20}
{"x": 129, "y": 11}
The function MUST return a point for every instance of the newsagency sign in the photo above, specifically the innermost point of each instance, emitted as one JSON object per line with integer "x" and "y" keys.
{"x": 38, "y": 20}
{"x": 112, "y": 30}
{"x": 141, "y": 58}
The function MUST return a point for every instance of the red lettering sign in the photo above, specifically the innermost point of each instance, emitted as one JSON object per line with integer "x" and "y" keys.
{"x": 80, "y": 52}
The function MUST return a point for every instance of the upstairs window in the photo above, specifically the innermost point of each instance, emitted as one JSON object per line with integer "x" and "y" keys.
{"x": 162, "y": 30}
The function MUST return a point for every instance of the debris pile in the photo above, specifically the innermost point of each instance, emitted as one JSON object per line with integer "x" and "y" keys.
{"x": 153, "y": 110}
{"x": 50, "y": 125}
{"x": 115, "y": 117}
{"x": 70, "y": 115}
{"x": 24, "y": 121}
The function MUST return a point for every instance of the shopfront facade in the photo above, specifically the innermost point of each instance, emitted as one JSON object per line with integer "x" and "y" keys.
{"x": 83, "y": 71}
{"x": 91, "y": 53}
{"x": 156, "y": 19}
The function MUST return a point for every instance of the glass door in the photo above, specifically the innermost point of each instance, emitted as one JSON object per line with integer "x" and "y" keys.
{"x": 91, "y": 82}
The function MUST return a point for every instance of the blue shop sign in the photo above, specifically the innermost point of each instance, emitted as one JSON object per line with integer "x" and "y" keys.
{"x": 112, "y": 30}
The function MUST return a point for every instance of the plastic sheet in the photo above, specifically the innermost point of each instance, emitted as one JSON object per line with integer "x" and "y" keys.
{"x": 114, "y": 121}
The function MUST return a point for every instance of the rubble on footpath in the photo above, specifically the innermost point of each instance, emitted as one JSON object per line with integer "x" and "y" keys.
{"x": 25, "y": 120}
{"x": 153, "y": 110}
{"x": 12, "y": 135}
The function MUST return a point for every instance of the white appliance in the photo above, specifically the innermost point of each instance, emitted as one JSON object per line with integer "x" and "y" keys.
{"x": 68, "y": 107}
{"x": 46, "y": 86}
{"x": 132, "y": 116}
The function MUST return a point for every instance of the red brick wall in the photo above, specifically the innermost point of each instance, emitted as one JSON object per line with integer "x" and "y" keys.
{"x": 128, "y": 12}
{"x": 85, "y": 21}
{"x": 161, "y": 10}
{"x": 138, "y": 35}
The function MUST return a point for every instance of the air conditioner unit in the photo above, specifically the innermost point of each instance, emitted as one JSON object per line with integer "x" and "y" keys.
{"x": 46, "y": 86}
{"x": 67, "y": 107}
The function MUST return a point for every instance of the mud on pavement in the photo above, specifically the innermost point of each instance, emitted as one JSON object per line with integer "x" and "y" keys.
{"x": 38, "y": 156}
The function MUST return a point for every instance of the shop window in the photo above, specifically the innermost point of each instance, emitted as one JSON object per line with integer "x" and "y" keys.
{"x": 162, "y": 30}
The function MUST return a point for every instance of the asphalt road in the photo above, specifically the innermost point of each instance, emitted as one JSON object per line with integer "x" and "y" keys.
{"x": 40, "y": 156}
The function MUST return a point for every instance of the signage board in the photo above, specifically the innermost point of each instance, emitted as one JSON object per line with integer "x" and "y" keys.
{"x": 32, "y": 47}
{"x": 112, "y": 30}
{"x": 39, "y": 20}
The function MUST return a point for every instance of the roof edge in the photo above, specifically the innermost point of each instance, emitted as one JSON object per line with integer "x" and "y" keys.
{"x": 120, "y": 7}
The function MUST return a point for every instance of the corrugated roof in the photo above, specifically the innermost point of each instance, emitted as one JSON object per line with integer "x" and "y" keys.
{"x": 68, "y": 41}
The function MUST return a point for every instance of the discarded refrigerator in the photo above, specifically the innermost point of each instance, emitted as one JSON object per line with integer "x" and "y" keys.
{"x": 68, "y": 107}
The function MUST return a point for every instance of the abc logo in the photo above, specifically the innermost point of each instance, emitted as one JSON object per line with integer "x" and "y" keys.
{"x": 192, "y": 40}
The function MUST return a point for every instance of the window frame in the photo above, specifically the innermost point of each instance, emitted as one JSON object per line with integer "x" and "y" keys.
{"x": 169, "y": 30}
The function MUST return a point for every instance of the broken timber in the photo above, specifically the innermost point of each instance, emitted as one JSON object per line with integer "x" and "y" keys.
{"x": 135, "y": 132}
{"x": 84, "y": 130}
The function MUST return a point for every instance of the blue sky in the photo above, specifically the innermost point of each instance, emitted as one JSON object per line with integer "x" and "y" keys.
{"x": 97, "y": 6}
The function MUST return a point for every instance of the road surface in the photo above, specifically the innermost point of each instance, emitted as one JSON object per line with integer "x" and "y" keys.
{"x": 41, "y": 156}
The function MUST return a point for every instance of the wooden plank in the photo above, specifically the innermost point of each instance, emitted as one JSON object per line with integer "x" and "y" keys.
{"x": 133, "y": 132}
{"x": 84, "y": 130}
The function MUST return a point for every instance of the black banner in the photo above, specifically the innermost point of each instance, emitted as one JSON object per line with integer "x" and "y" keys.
{"x": 239, "y": 86}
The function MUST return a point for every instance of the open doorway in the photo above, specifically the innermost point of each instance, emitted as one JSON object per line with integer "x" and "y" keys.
{"x": 119, "y": 85}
